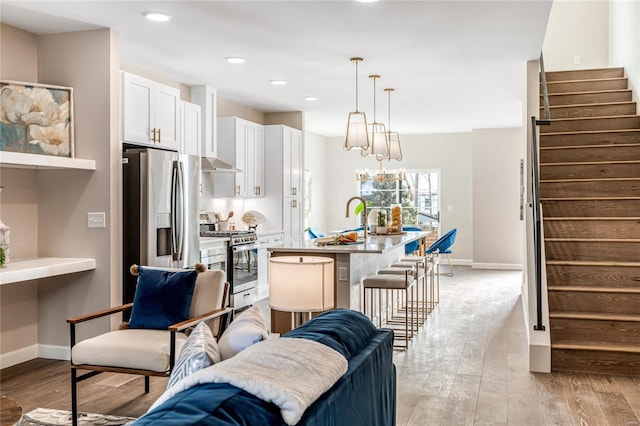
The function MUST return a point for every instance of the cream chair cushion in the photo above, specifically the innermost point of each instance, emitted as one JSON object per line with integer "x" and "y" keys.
{"x": 131, "y": 348}
{"x": 208, "y": 295}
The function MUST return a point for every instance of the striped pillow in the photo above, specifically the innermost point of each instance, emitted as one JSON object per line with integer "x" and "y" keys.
{"x": 200, "y": 350}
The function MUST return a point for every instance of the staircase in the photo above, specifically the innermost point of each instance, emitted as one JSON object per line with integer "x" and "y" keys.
{"x": 590, "y": 193}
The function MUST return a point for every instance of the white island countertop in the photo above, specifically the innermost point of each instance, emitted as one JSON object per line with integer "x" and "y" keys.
{"x": 373, "y": 244}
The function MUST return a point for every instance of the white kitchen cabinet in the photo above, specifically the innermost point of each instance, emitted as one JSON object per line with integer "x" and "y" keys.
{"x": 283, "y": 182}
{"x": 292, "y": 161}
{"x": 254, "y": 160}
{"x": 241, "y": 143}
{"x": 150, "y": 113}
{"x": 206, "y": 97}
{"x": 190, "y": 124}
{"x": 264, "y": 242}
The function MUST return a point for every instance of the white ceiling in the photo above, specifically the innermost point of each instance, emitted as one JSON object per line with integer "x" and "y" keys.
{"x": 455, "y": 65}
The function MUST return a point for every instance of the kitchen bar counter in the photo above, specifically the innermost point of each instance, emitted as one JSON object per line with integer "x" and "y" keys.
{"x": 352, "y": 263}
{"x": 373, "y": 244}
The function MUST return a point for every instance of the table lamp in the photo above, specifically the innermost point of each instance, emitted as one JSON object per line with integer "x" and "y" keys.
{"x": 301, "y": 284}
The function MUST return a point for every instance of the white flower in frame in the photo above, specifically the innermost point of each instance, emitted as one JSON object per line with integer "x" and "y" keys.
{"x": 14, "y": 103}
{"x": 21, "y": 105}
{"x": 54, "y": 140}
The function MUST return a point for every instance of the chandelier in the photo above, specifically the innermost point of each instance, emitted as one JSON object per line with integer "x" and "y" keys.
{"x": 381, "y": 176}
{"x": 357, "y": 136}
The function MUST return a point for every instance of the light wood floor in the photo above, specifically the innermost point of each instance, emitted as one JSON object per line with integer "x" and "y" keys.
{"x": 467, "y": 366}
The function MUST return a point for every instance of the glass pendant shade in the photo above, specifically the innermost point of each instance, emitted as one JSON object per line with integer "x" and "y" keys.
{"x": 357, "y": 136}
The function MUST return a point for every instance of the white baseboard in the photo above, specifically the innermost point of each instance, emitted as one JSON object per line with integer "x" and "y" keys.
{"x": 501, "y": 266}
{"x": 18, "y": 356}
{"x": 28, "y": 353}
{"x": 460, "y": 262}
{"x": 54, "y": 352}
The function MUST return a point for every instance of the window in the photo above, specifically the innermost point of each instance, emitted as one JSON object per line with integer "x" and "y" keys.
{"x": 417, "y": 192}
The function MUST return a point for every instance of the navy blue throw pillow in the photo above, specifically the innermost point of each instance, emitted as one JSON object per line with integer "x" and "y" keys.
{"x": 162, "y": 298}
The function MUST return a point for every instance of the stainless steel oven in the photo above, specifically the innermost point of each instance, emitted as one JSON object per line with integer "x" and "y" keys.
{"x": 240, "y": 263}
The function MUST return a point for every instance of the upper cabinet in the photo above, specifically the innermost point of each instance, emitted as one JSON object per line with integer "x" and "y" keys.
{"x": 150, "y": 113}
{"x": 206, "y": 97}
{"x": 241, "y": 143}
{"x": 191, "y": 124}
{"x": 291, "y": 161}
{"x": 254, "y": 160}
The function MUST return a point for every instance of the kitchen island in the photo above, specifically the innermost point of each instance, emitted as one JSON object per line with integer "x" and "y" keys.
{"x": 352, "y": 263}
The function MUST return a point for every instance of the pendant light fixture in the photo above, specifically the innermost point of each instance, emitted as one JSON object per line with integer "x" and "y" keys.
{"x": 378, "y": 144}
{"x": 357, "y": 136}
{"x": 393, "y": 138}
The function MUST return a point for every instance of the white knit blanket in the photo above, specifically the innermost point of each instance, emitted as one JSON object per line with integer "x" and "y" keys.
{"x": 292, "y": 373}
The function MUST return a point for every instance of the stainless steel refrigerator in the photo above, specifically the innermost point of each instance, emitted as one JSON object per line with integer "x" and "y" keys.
{"x": 160, "y": 211}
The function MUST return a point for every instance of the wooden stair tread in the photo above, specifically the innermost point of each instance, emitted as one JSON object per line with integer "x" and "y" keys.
{"x": 594, "y": 104}
{"x": 587, "y": 80}
{"x": 591, "y": 163}
{"x": 594, "y": 289}
{"x": 589, "y": 198}
{"x": 596, "y": 346}
{"x": 587, "y": 132}
{"x": 587, "y": 92}
{"x": 605, "y": 179}
{"x": 608, "y": 145}
{"x": 586, "y": 218}
{"x": 592, "y": 263}
{"x": 593, "y": 240}
{"x": 596, "y": 316}
{"x": 604, "y": 117}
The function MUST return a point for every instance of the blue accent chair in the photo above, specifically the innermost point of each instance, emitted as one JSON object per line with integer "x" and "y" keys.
{"x": 314, "y": 233}
{"x": 413, "y": 245}
{"x": 443, "y": 245}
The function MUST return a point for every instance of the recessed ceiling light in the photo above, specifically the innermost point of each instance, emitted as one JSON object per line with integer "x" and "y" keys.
{"x": 157, "y": 16}
{"x": 310, "y": 98}
{"x": 367, "y": 1}
{"x": 235, "y": 60}
{"x": 278, "y": 82}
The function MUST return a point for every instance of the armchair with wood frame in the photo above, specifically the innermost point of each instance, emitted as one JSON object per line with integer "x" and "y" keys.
{"x": 149, "y": 351}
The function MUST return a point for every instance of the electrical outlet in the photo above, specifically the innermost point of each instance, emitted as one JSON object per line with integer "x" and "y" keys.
{"x": 342, "y": 273}
{"x": 96, "y": 220}
{"x": 577, "y": 60}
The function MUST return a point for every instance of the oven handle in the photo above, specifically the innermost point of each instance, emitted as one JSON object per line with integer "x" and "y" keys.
{"x": 244, "y": 247}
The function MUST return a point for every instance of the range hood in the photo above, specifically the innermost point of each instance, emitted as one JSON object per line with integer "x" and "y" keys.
{"x": 214, "y": 165}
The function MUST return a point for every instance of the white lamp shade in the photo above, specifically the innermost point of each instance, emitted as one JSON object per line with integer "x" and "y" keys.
{"x": 378, "y": 138}
{"x": 395, "y": 153}
{"x": 357, "y": 136}
{"x": 301, "y": 283}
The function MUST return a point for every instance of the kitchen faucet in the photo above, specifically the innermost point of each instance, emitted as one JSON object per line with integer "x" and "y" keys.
{"x": 364, "y": 219}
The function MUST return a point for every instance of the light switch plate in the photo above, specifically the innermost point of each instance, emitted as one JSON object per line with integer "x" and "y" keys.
{"x": 96, "y": 220}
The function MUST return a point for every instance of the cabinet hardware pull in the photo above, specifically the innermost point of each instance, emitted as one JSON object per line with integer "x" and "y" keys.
{"x": 294, "y": 203}
{"x": 238, "y": 190}
{"x": 159, "y": 138}
{"x": 153, "y": 134}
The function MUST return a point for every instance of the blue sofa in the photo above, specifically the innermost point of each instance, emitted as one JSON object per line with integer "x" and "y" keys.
{"x": 364, "y": 396}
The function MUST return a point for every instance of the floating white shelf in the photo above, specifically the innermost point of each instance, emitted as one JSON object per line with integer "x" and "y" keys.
{"x": 42, "y": 267}
{"x": 35, "y": 161}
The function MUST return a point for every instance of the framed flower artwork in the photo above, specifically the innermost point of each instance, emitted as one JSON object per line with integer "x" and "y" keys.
{"x": 36, "y": 119}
